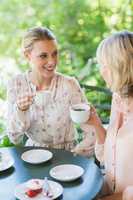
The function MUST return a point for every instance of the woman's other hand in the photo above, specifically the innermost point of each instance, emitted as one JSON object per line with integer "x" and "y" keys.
{"x": 83, "y": 149}
{"x": 25, "y": 101}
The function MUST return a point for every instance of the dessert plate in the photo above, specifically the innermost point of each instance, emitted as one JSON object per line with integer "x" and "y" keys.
{"x": 66, "y": 172}
{"x": 36, "y": 156}
{"x": 20, "y": 191}
{"x": 6, "y": 161}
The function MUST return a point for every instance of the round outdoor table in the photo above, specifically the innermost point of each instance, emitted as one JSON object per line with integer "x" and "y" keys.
{"x": 84, "y": 188}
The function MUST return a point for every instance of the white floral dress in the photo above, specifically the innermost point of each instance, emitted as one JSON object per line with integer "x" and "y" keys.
{"x": 48, "y": 124}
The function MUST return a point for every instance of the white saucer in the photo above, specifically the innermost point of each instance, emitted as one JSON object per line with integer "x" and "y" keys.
{"x": 20, "y": 190}
{"x": 36, "y": 156}
{"x": 66, "y": 172}
{"x": 6, "y": 161}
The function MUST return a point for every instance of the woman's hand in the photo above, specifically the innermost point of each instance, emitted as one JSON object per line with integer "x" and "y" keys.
{"x": 78, "y": 150}
{"x": 83, "y": 149}
{"x": 24, "y": 102}
{"x": 95, "y": 121}
{"x": 128, "y": 193}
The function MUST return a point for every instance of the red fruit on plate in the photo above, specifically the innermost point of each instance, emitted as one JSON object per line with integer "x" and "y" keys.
{"x": 33, "y": 193}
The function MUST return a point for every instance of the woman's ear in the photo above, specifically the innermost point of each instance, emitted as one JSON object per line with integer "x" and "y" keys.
{"x": 27, "y": 55}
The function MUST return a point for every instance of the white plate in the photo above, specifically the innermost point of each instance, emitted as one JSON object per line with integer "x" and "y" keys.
{"x": 66, "y": 172}
{"x": 36, "y": 156}
{"x": 20, "y": 190}
{"x": 6, "y": 161}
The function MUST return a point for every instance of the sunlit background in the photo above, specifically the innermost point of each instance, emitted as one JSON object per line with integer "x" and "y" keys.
{"x": 79, "y": 26}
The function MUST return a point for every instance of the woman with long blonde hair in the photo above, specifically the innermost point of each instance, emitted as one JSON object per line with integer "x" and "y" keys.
{"x": 114, "y": 147}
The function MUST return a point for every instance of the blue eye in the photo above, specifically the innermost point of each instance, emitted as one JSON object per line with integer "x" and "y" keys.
{"x": 43, "y": 56}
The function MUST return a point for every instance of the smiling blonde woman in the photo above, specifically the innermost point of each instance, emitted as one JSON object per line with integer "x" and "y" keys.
{"x": 46, "y": 122}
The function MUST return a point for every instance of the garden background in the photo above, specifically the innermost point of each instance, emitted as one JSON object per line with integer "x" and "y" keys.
{"x": 79, "y": 26}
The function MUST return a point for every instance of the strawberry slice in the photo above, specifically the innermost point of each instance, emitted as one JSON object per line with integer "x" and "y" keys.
{"x": 33, "y": 193}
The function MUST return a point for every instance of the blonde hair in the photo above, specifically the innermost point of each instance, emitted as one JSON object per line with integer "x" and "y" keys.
{"x": 116, "y": 52}
{"x": 36, "y": 34}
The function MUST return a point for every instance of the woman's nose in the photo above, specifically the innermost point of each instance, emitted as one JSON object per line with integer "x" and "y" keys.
{"x": 51, "y": 61}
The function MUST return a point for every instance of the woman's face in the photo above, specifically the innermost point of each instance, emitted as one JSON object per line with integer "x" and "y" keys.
{"x": 44, "y": 57}
{"x": 106, "y": 75}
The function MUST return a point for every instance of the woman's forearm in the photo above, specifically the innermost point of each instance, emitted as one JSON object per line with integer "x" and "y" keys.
{"x": 100, "y": 134}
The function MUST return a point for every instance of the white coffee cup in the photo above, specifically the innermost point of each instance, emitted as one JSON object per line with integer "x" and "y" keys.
{"x": 80, "y": 113}
{"x": 42, "y": 97}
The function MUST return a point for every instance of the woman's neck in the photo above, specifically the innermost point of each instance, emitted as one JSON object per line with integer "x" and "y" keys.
{"x": 40, "y": 82}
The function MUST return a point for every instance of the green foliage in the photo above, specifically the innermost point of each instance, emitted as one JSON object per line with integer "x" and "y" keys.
{"x": 79, "y": 26}
{"x": 5, "y": 142}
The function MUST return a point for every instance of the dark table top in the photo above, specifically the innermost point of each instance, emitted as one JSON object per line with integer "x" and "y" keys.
{"x": 84, "y": 188}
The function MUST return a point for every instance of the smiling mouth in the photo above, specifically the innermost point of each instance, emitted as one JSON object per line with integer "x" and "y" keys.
{"x": 49, "y": 70}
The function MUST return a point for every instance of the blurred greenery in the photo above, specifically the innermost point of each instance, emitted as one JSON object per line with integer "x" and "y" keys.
{"x": 79, "y": 26}
{"x": 5, "y": 142}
